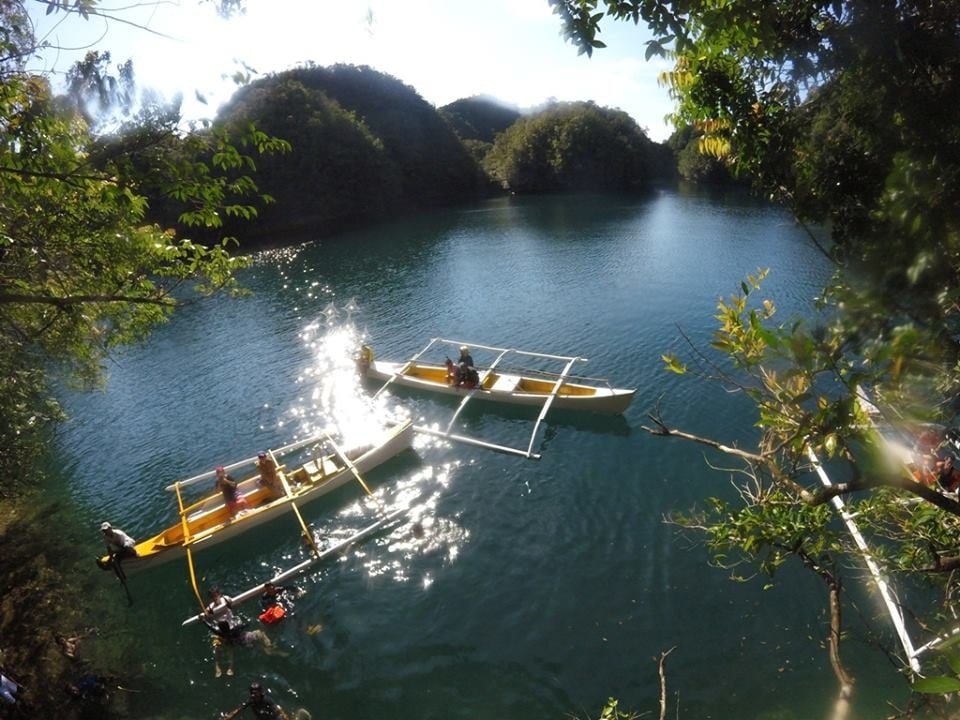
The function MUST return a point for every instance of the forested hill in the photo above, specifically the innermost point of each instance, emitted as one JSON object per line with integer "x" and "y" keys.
{"x": 365, "y": 146}
{"x": 479, "y": 117}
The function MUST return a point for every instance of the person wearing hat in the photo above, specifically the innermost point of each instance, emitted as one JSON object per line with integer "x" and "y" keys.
{"x": 468, "y": 373}
{"x": 269, "y": 474}
{"x": 119, "y": 544}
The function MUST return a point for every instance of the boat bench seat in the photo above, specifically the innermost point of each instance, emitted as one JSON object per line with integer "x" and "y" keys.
{"x": 313, "y": 468}
{"x": 505, "y": 383}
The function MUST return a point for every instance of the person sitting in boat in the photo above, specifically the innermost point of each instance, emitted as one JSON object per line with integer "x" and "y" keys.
{"x": 364, "y": 359}
{"x": 469, "y": 377}
{"x": 119, "y": 544}
{"x": 453, "y": 373}
{"x": 229, "y": 488}
{"x": 269, "y": 474}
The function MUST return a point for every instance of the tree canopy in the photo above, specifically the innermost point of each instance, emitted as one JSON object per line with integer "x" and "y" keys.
{"x": 574, "y": 147}
{"x": 366, "y": 146}
{"x": 847, "y": 111}
{"x": 479, "y": 117}
{"x": 81, "y": 270}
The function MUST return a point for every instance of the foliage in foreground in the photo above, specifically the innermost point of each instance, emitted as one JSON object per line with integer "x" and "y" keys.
{"x": 81, "y": 270}
{"x": 843, "y": 109}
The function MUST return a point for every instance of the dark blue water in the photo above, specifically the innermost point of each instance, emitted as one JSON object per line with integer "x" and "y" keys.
{"x": 538, "y": 588}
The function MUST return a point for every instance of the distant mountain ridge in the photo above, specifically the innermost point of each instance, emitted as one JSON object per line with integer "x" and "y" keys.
{"x": 480, "y": 117}
{"x": 366, "y": 146}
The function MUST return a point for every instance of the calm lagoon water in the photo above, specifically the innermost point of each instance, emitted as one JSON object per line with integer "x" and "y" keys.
{"x": 538, "y": 588}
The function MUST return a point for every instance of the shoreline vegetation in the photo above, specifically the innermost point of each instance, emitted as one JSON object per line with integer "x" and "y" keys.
{"x": 55, "y": 617}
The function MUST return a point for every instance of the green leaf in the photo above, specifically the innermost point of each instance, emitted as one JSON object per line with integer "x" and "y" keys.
{"x": 937, "y": 685}
{"x": 953, "y": 660}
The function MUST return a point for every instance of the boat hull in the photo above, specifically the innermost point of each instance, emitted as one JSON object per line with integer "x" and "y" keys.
{"x": 209, "y": 523}
{"x": 505, "y": 388}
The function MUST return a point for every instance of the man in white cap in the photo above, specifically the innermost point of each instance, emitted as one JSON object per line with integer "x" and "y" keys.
{"x": 119, "y": 544}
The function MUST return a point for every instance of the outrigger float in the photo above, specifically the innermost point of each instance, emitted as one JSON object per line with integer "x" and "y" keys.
{"x": 524, "y": 387}
{"x": 207, "y": 522}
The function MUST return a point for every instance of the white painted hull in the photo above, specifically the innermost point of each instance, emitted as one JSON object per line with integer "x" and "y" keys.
{"x": 213, "y": 532}
{"x": 504, "y": 388}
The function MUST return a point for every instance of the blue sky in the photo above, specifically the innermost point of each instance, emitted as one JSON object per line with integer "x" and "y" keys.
{"x": 445, "y": 49}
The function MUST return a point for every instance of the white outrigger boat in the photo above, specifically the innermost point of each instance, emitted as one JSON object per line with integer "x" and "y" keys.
{"x": 207, "y": 522}
{"x": 524, "y": 387}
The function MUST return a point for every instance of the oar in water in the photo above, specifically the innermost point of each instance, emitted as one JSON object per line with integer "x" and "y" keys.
{"x": 121, "y": 575}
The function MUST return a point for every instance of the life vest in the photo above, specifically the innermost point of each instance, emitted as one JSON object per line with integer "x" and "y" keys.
{"x": 272, "y": 614}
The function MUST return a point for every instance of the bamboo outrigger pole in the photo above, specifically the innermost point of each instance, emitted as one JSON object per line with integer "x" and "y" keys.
{"x": 546, "y": 406}
{"x": 186, "y": 546}
{"x": 293, "y": 506}
{"x": 241, "y": 463}
{"x": 336, "y": 549}
{"x": 474, "y": 441}
{"x": 896, "y": 616}
{"x": 406, "y": 366}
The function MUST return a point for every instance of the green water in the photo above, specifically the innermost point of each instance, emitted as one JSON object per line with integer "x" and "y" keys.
{"x": 538, "y": 588}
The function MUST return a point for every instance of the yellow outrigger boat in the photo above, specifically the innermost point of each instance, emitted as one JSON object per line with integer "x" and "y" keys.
{"x": 208, "y": 521}
{"x": 532, "y": 388}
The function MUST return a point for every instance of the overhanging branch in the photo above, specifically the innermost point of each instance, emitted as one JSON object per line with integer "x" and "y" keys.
{"x": 81, "y": 299}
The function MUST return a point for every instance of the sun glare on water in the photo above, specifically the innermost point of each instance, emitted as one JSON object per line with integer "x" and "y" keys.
{"x": 335, "y": 401}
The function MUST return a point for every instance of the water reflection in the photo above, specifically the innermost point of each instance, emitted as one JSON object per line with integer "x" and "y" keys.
{"x": 332, "y": 400}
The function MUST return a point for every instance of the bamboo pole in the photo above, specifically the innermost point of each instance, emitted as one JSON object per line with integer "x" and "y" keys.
{"x": 336, "y": 549}
{"x": 546, "y": 406}
{"x": 241, "y": 463}
{"x": 474, "y": 441}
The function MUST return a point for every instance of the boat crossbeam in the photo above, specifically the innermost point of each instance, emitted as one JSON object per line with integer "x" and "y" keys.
{"x": 242, "y": 463}
{"x": 549, "y": 401}
{"x": 469, "y": 395}
{"x": 466, "y": 440}
{"x": 404, "y": 369}
{"x": 493, "y": 348}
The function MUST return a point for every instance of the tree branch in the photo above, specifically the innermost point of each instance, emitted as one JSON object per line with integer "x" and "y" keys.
{"x": 663, "y": 682}
{"x": 81, "y": 299}
{"x": 664, "y": 430}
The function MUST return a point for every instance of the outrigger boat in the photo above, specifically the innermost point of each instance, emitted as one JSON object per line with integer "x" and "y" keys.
{"x": 525, "y": 387}
{"x": 207, "y": 522}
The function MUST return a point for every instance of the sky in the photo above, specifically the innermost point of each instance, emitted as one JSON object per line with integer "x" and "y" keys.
{"x": 444, "y": 49}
